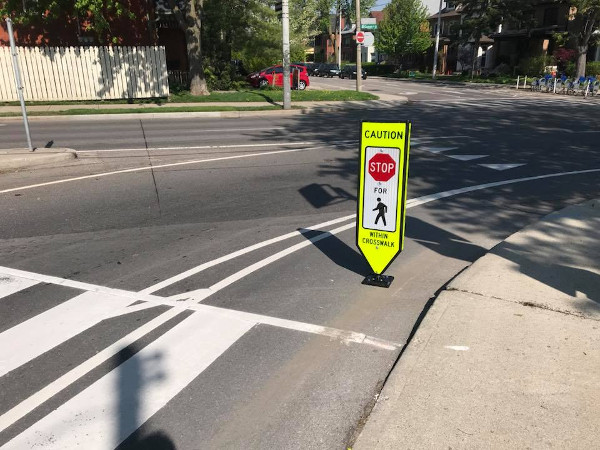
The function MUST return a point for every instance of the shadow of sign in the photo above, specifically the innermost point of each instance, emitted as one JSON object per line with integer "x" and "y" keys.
{"x": 338, "y": 252}
{"x": 321, "y": 195}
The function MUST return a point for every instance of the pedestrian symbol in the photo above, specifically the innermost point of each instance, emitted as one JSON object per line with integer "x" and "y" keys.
{"x": 382, "y": 210}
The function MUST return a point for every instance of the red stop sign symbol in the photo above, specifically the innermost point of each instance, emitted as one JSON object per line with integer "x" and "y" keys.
{"x": 382, "y": 167}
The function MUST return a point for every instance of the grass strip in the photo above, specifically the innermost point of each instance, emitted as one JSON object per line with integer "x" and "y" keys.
{"x": 164, "y": 109}
{"x": 268, "y": 95}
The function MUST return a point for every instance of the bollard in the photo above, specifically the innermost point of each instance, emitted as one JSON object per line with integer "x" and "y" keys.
{"x": 587, "y": 88}
{"x": 555, "y": 85}
{"x": 525, "y": 83}
{"x": 518, "y": 80}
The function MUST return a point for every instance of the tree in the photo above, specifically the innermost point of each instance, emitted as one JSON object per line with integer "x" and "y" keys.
{"x": 349, "y": 8}
{"x": 585, "y": 15}
{"x": 482, "y": 17}
{"x": 404, "y": 29}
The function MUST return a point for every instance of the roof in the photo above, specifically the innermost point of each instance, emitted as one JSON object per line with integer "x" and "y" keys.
{"x": 452, "y": 13}
{"x": 377, "y": 15}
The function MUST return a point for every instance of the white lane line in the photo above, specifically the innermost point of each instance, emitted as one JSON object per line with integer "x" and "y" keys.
{"x": 28, "y": 405}
{"x": 10, "y": 284}
{"x": 2, "y": 124}
{"x": 33, "y": 337}
{"x": 57, "y": 386}
{"x": 243, "y": 251}
{"x": 41, "y": 278}
{"x": 159, "y": 166}
{"x": 201, "y": 294}
{"x": 45, "y": 394}
{"x": 112, "y": 408}
{"x": 501, "y": 167}
{"x": 433, "y": 197}
{"x": 200, "y": 147}
{"x": 467, "y": 157}
{"x": 437, "y": 149}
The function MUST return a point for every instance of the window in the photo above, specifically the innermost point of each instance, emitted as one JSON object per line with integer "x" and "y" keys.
{"x": 278, "y": 69}
{"x": 550, "y": 17}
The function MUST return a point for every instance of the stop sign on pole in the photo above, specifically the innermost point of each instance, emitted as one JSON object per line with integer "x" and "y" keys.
{"x": 382, "y": 167}
{"x": 360, "y": 37}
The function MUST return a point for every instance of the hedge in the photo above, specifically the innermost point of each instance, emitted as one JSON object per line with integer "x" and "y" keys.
{"x": 379, "y": 69}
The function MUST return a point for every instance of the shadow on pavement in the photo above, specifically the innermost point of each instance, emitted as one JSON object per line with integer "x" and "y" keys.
{"x": 339, "y": 253}
{"x": 320, "y": 195}
{"x": 442, "y": 241}
{"x": 134, "y": 374}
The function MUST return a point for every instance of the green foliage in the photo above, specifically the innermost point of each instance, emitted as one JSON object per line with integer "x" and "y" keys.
{"x": 94, "y": 13}
{"x": 536, "y": 65}
{"x": 349, "y": 8}
{"x": 404, "y": 29}
{"x": 481, "y": 17}
{"x": 593, "y": 68}
{"x": 378, "y": 69}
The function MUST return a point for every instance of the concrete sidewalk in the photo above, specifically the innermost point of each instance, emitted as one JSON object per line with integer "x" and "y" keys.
{"x": 509, "y": 354}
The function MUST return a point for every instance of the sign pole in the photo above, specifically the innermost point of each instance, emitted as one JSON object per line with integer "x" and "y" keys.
{"x": 285, "y": 20}
{"x": 437, "y": 42}
{"x": 381, "y": 205}
{"x": 358, "y": 51}
{"x": 18, "y": 83}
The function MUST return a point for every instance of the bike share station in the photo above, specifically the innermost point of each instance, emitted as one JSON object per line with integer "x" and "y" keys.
{"x": 381, "y": 205}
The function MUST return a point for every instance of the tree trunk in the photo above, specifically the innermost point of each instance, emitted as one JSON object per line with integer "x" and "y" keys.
{"x": 190, "y": 22}
{"x": 193, "y": 38}
{"x": 581, "y": 60}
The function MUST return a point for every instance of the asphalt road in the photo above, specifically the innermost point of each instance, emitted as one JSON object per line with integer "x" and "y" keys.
{"x": 195, "y": 284}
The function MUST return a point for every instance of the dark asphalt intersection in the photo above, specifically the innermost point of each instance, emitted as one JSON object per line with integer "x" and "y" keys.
{"x": 197, "y": 284}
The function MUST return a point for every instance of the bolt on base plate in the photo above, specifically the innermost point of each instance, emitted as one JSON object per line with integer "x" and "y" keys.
{"x": 378, "y": 280}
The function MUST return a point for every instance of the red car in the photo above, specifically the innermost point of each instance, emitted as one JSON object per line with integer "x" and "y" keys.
{"x": 273, "y": 76}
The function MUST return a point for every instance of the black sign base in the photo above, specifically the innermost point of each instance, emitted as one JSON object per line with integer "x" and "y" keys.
{"x": 374, "y": 279}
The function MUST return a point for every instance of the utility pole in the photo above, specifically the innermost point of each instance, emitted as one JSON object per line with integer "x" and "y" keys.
{"x": 339, "y": 40}
{"x": 285, "y": 21}
{"x": 358, "y": 51}
{"x": 437, "y": 42}
{"x": 18, "y": 83}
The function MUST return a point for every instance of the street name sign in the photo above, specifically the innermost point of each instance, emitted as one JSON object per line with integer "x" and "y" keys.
{"x": 383, "y": 174}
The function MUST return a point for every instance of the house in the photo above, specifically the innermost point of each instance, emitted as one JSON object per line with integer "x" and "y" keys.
{"x": 533, "y": 36}
{"x": 454, "y": 54}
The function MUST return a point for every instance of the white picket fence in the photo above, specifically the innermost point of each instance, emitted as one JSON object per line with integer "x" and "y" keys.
{"x": 85, "y": 73}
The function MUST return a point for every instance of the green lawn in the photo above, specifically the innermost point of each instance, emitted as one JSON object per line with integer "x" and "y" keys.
{"x": 244, "y": 96}
{"x": 457, "y": 78}
{"x": 164, "y": 109}
{"x": 273, "y": 95}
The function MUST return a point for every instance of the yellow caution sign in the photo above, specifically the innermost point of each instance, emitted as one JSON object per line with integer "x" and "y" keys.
{"x": 384, "y": 149}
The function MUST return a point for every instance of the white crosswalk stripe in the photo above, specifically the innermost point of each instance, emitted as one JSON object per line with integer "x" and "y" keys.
{"x": 166, "y": 364}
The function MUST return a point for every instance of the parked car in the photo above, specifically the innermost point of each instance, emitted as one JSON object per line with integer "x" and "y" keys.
{"x": 310, "y": 67}
{"x": 273, "y": 76}
{"x": 329, "y": 70}
{"x": 350, "y": 72}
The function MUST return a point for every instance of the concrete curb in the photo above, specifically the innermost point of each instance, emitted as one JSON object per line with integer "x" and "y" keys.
{"x": 22, "y": 158}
